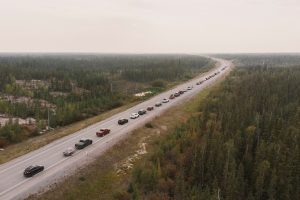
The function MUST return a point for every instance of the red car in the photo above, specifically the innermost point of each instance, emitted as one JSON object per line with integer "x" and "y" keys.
{"x": 150, "y": 108}
{"x": 102, "y": 132}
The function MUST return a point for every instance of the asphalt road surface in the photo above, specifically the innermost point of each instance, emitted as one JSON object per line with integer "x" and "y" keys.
{"x": 13, "y": 185}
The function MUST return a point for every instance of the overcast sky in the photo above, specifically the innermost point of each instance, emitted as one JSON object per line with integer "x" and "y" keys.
{"x": 150, "y": 26}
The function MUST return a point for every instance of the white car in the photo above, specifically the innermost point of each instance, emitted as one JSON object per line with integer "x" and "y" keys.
{"x": 134, "y": 115}
{"x": 165, "y": 100}
{"x": 189, "y": 88}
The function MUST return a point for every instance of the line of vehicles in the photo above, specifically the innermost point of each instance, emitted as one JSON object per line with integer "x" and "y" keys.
{"x": 34, "y": 169}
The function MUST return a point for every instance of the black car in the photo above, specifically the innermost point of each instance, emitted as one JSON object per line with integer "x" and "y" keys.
{"x": 83, "y": 143}
{"x": 142, "y": 112}
{"x": 32, "y": 170}
{"x": 122, "y": 121}
{"x": 158, "y": 104}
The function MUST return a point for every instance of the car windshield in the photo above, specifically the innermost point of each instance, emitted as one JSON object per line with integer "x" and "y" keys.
{"x": 29, "y": 168}
{"x": 80, "y": 143}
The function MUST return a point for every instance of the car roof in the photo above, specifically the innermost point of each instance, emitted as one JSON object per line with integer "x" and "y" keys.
{"x": 31, "y": 167}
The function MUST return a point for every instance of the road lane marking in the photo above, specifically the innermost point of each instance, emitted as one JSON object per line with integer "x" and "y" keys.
{"x": 11, "y": 188}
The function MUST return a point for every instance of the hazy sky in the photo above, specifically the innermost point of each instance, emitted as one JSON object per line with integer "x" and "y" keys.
{"x": 150, "y": 26}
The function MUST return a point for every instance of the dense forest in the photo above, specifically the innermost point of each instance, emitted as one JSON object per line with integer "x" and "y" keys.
{"x": 243, "y": 143}
{"x": 71, "y": 87}
{"x": 268, "y": 59}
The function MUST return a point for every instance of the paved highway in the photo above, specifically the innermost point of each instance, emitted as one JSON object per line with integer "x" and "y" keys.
{"x": 13, "y": 185}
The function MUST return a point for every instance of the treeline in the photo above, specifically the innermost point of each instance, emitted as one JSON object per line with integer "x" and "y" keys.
{"x": 267, "y": 59}
{"x": 88, "y": 69}
{"x": 243, "y": 144}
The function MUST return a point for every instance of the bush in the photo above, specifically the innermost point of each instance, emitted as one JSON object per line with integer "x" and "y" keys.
{"x": 3, "y": 142}
{"x": 148, "y": 125}
{"x": 158, "y": 83}
{"x": 121, "y": 195}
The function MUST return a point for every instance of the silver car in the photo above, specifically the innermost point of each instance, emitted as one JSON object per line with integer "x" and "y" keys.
{"x": 69, "y": 151}
{"x": 165, "y": 100}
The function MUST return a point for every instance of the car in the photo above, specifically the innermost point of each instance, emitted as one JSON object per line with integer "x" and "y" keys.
{"x": 69, "y": 151}
{"x": 198, "y": 83}
{"x": 134, "y": 115}
{"x": 83, "y": 143}
{"x": 177, "y": 94}
{"x": 149, "y": 108}
{"x": 103, "y": 132}
{"x": 165, "y": 100}
{"x": 172, "y": 96}
{"x": 33, "y": 170}
{"x": 190, "y": 87}
{"x": 180, "y": 91}
{"x": 122, "y": 121}
{"x": 158, "y": 104}
{"x": 142, "y": 112}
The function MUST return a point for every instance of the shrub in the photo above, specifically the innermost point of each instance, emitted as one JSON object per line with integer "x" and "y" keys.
{"x": 148, "y": 125}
